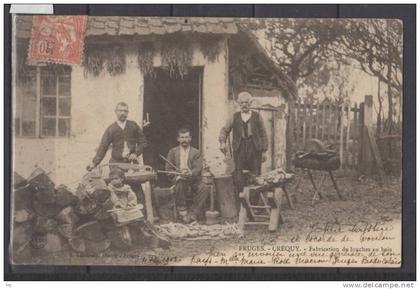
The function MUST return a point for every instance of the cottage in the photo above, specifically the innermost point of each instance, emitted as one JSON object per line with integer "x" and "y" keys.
{"x": 172, "y": 71}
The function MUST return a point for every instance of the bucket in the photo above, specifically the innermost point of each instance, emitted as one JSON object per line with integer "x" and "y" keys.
{"x": 225, "y": 196}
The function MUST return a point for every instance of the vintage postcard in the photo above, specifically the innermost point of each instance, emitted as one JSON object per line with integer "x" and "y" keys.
{"x": 206, "y": 141}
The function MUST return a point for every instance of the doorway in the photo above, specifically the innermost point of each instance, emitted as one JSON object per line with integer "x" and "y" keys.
{"x": 171, "y": 103}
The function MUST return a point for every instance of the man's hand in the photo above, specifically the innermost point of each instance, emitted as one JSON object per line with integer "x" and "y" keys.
{"x": 132, "y": 157}
{"x": 90, "y": 167}
{"x": 264, "y": 157}
{"x": 223, "y": 148}
{"x": 186, "y": 172}
{"x": 146, "y": 123}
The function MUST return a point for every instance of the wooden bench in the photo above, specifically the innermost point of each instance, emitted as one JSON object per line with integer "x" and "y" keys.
{"x": 267, "y": 212}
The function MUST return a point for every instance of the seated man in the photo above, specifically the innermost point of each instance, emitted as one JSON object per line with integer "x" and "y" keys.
{"x": 189, "y": 163}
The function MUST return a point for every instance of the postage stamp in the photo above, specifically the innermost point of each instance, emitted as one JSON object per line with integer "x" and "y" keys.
{"x": 57, "y": 39}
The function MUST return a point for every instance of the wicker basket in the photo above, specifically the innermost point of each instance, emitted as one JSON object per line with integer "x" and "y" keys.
{"x": 125, "y": 216}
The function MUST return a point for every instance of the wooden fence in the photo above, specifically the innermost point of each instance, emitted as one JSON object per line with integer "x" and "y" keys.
{"x": 337, "y": 124}
{"x": 275, "y": 123}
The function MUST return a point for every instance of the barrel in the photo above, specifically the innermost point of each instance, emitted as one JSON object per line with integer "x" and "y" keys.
{"x": 226, "y": 199}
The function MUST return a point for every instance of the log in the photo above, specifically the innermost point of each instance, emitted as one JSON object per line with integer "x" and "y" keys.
{"x": 81, "y": 192}
{"x": 93, "y": 182}
{"x": 66, "y": 230}
{"x": 93, "y": 194}
{"x": 120, "y": 237}
{"x": 67, "y": 216}
{"x": 22, "y": 233}
{"x": 92, "y": 231}
{"x": 22, "y": 216}
{"x": 64, "y": 197}
{"x": 18, "y": 181}
{"x": 77, "y": 244}
{"x": 93, "y": 186}
{"x": 40, "y": 179}
{"x": 86, "y": 206}
{"x": 44, "y": 225}
{"x": 21, "y": 254}
{"x": 100, "y": 195}
{"x": 45, "y": 210}
{"x": 96, "y": 247}
{"x": 102, "y": 213}
{"x": 53, "y": 243}
{"x": 38, "y": 241}
{"x": 23, "y": 196}
{"x": 45, "y": 195}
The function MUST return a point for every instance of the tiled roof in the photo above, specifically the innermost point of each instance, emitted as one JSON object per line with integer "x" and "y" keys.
{"x": 116, "y": 25}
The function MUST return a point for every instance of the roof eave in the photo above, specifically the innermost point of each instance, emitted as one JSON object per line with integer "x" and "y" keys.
{"x": 285, "y": 82}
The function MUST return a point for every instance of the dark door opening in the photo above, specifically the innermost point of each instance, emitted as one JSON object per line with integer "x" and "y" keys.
{"x": 171, "y": 103}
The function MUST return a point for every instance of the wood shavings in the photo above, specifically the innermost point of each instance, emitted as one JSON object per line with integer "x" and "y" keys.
{"x": 196, "y": 231}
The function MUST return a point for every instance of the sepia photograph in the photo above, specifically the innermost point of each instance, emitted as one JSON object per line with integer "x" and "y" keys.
{"x": 206, "y": 141}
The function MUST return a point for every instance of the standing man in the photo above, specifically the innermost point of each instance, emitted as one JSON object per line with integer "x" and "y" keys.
{"x": 126, "y": 138}
{"x": 249, "y": 139}
{"x": 187, "y": 160}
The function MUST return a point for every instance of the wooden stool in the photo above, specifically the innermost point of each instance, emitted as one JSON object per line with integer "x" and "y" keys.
{"x": 267, "y": 214}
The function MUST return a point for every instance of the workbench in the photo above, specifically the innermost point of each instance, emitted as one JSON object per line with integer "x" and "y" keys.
{"x": 267, "y": 211}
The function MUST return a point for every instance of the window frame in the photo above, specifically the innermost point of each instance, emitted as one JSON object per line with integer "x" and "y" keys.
{"x": 39, "y": 73}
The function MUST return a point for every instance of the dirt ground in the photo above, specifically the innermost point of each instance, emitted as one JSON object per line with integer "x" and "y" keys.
{"x": 365, "y": 200}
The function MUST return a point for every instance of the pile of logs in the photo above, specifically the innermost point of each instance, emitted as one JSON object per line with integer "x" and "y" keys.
{"x": 43, "y": 215}
{"x": 49, "y": 219}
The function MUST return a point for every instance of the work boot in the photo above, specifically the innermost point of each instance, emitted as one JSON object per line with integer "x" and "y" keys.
{"x": 192, "y": 217}
{"x": 183, "y": 216}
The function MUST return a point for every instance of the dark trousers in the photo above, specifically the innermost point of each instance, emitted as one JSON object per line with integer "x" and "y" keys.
{"x": 246, "y": 157}
{"x": 192, "y": 190}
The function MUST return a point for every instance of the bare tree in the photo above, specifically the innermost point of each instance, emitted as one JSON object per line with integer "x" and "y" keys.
{"x": 377, "y": 45}
{"x": 300, "y": 47}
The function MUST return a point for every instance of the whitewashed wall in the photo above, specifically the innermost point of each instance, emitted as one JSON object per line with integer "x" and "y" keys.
{"x": 93, "y": 103}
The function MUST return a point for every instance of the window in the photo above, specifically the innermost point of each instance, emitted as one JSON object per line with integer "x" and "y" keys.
{"x": 43, "y": 101}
